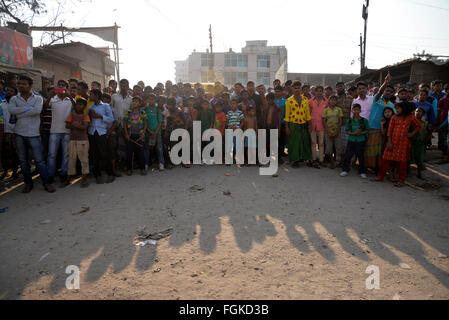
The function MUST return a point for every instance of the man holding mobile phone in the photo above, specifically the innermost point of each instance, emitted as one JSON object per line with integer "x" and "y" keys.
{"x": 61, "y": 104}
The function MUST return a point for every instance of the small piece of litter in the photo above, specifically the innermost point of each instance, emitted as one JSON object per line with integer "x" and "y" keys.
{"x": 144, "y": 243}
{"x": 229, "y": 174}
{"x": 2, "y": 210}
{"x": 143, "y": 237}
{"x": 85, "y": 209}
{"x": 44, "y": 256}
{"x": 365, "y": 241}
{"x": 45, "y": 222}
{"x": 404, "y": 266}
{"x": 227, "y": 193}
{"x": 195, "y": 188}
{"x": 157, "y": 270}
{"x": 254, "y": 185}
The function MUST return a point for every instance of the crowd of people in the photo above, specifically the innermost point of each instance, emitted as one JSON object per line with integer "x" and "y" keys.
{"x": 73, "y": 130}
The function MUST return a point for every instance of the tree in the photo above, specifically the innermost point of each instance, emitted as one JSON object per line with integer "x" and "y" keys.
{"x": 21, "y": 11}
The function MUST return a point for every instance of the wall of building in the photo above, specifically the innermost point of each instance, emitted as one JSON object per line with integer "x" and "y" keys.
{"x": 60, "y": 71}
{"x": 92, "y": 64}
{"x": 324, "y": 79}
{"x": 426, "y": 72}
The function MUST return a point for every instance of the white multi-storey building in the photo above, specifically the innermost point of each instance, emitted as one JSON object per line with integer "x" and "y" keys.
{"x": 257, "y": 62}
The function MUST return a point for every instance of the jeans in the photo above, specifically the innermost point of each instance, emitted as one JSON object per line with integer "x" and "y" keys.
{"x": 23, "y": 144}
{"x": 56, "y": 140}
{"x": 317, "y": 137}
{"x": 159, "y": 150}
{"x": 442, "y": 140}
{"x": 357, "y": 149}
{"x": 45, "y": 137}
{"x": 99, "y": 153}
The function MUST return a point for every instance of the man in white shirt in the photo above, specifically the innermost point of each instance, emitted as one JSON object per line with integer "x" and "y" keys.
{"x": 10, "y": 160}
{"x": 363, "y": 100}
{"x": 120, "y": 103}
{"x": 61, "y": 106}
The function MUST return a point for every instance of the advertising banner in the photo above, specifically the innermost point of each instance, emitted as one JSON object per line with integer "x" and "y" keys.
{"x": 16, "y": 49}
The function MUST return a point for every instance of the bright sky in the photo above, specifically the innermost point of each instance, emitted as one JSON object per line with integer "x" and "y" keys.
{"x": 320, "y": 35}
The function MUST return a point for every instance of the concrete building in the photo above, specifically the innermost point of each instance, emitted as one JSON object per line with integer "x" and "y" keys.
{"x": 257, "y": 62}
{"x": 75, "y": 60}
{"x": 414, "y": 70}
{"x": 324, "y": 79}
{"x": 182, "y": 71}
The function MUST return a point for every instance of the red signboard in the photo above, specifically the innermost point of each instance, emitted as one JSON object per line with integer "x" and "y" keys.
{"x": 16, "y": 49}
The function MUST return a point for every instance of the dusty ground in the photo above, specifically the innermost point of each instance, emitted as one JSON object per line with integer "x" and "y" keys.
{"x": 305, "y": 234}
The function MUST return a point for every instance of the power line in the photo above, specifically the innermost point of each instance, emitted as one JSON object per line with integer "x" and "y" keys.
{"x": 428, "y": 5}
{"x": 409, "y": 37}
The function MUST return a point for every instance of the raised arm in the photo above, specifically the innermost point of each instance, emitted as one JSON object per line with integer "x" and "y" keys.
{"x": 387, "y": 81}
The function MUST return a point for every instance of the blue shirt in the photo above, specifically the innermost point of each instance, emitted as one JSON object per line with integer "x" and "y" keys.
{"x": 28, "y": 114}
{"x": 377, "y": 112}
{"x": 430, "y": 114}
{"x": 97, "y": 124}
{"x": 281, "y": 104}
{"x": 437, "y": 96}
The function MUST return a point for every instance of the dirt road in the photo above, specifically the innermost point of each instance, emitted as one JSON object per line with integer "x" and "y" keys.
{"x": 305, "y": 234}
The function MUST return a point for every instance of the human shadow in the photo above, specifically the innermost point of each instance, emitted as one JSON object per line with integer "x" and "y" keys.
{"x": 315, "y": 210}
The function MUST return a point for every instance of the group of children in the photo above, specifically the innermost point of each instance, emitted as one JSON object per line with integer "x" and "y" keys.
{"x": 313, "y": 124}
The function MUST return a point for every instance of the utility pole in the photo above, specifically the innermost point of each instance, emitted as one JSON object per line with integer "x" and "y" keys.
{"x": 211, "y": 63}
{"x": 363, "y": 55}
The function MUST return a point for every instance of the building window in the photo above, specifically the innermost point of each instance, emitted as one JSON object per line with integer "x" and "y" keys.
{"x": 236, "y": 60}
{"x": 242, "y": 60}
{"x": 206, "y": 60}
{"x": 263, "y": 61}
{"x": 232, "y": 77}
{"x": 263, "y": 78}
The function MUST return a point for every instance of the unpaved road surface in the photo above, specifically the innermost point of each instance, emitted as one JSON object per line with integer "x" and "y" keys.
{"x": 307, "y": 234}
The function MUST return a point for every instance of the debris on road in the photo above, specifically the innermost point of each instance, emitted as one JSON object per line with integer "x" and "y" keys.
{"x": 44, "y": 256}
{"x": 227, "y": 193}
{"x": 45, "y": 222}
{"x": 404, "y": 266}
{"x": 3, "y": 210}
{"x": 84, "y": 210}
{"x": 143, "y": 238}
{"x": 171, "y": 214}
{"x": 196, "y": 188}
{"x": 229, "y": 174}
{"x": 254, "y": 185}
{"x": 365, "y": 241}
{"x": 144, "y": 243}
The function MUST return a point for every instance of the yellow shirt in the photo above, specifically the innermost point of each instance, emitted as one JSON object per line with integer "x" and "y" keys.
{"x": 89, "y": 103}
{"x": 295, "y": 113}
